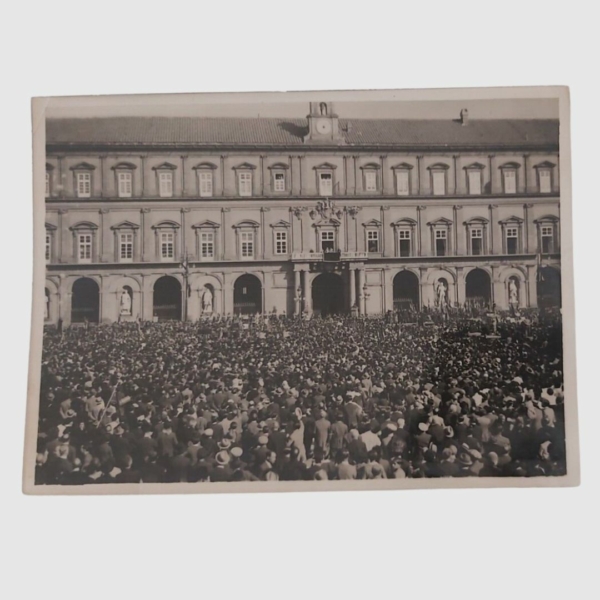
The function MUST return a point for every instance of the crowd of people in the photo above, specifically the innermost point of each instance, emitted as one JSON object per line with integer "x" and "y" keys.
{"x": 287, "y": 399}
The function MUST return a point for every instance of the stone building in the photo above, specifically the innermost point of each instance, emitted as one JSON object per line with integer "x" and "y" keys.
{"x": 176, "y": 218}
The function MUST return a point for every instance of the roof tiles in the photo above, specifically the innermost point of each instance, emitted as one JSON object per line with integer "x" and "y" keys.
{"x": 200, "y": 131}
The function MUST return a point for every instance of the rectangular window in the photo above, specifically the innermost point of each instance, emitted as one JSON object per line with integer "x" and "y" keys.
{"x": 547, "y": 239}
{"x": 512, "y": 240}
{"x": 85, "y": 247}
{"x": 404, "y": 242}
{"x": 441, "y": 242}
{"x": 245, "y": 183}
{"x": 373, "y": 241}
{"x": 402, "y": 183}
{"x": 439, "y": 183}
{"x": 47, "y": 184}
{"x": 327, "y": 241}
{"x": 281, "y": 242}
{"x": 207, "y": 245}
{"x": 206, "y": 184}
{"x": 545, "y": 176}
{"x": 165, "y": 184}
{"x": 84, "y": 185}
{"x": 279, "y": 182}
{"x": 476, "y": 241}
{"x": 325, "y": 184}
{"x": 125, "y": 184}
{"x": 126, "y": 247}
{"x": 247, "y": 244}
{"x": 48, "y": 247}
{"x": 167, "y": 246}
{"x": 474, "y": 182}
{"x": 510, "y": 181}
{"x": 370, "y": 181}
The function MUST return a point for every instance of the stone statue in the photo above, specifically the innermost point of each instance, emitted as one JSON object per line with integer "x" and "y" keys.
{"x": 513, "y": 292}
{"x": 207, "y": 301}
{"x": 442, "y": 293}
{"x": 323, "y": 108}
{"x": 125, "y": 303}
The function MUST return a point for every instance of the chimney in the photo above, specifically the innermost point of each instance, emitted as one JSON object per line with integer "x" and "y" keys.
{"x": 464, "y": 116}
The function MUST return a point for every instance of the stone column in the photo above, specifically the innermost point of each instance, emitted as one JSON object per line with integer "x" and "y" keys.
{"x": 360, "y": 281}
{"x": 421, "y": 232}
{"x": 306, "y": 287}
{"x": 460, "y": 286}
{"x": 352, "y": 288}
{"x": 531, "y": 284}
{"x": 297, "y": 292}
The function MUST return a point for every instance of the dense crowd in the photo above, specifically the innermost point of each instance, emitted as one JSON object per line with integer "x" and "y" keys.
{"x": 293, "y": 399}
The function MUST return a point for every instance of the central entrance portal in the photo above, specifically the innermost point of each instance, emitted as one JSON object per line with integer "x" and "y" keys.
{"x": 328, "y": 295}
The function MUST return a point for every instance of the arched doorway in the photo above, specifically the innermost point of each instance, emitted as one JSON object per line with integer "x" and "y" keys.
{"x": 247, "y": 295}
{"x": 549, "y": 288}
{"x": 167, "y": 299}
{"x": 406, "y": 291}
{"x": 85, "y": 301}
{"x": 479, "y": 288}
{"x": 328, "y": 295}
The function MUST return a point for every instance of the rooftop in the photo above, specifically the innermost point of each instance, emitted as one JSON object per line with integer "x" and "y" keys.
{"x": 226, "y": 131}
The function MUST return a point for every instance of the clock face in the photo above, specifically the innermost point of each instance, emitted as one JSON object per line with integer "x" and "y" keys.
{"x": 324, "y": 126}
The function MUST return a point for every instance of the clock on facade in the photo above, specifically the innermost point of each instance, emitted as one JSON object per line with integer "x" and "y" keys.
{"x": 324, "y": 126}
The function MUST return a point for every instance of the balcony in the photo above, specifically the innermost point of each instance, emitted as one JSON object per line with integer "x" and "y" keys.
{"x": 329, "y": 256}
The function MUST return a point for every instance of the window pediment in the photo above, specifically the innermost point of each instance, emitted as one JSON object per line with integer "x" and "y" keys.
{"x": 84, "y": 225}
{"x": 83, "y": 166}
{"x": 331, "y": 222}
{"x": 441, "y": 222}
{"x": 545, "y": 165}
{"x": 166, "y": 225}
{"x": 50, "y": 227}
{"x": 403, "y": 166}
{"x": 406, "y": 222}
{"x": 125, "y": 225}
{"x": 246, "y": 224}
{"x": 512, "y": 219}
{"x": 476, "y": 221}
{"x": 166, "y": 166}
{"x": 205, "y": 165}
{"x": 124, "y": 166}
{"x": 474, "y": 166}
{"x": 325, "y": 167}
{"x": 280, "y": 224}
{"x": 546, "y": 219}
{"x": 373, "y": 223}
{"x": 371, "y": 166}
{"x": 245, "y": 166}
{"x": 510, "y": 165}
{"x": 206, "y": 225}
{"x": 279, "y": 166}
{"x": 438, "y": 167}
{"x": 49, "y": 167}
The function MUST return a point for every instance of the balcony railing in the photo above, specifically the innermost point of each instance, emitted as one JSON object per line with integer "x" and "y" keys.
{"x": 329, "y": 256}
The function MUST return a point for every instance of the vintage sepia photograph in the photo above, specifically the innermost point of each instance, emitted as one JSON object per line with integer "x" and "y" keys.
{"x": 302, "y": 291}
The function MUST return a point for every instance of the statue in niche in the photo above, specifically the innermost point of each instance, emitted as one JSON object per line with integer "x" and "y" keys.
{"x": 207, "y": 301}
{"x": 125, "y": 303}
{"x": 323, "y": 109}
{"x": 441, "y": 293}
{"x": 513, "y": 292}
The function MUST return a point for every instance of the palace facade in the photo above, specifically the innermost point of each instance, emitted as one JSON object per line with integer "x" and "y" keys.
{"x": 176, "y": 218}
